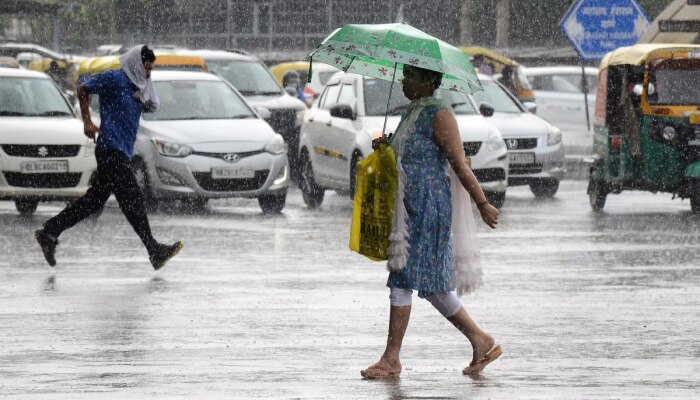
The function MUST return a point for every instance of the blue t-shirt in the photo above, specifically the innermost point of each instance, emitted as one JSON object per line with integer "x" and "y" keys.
{"x": 119, "y": 110}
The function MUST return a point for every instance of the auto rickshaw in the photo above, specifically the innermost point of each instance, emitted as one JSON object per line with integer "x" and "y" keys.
{"x": 647, "y": 123}
{"x": 504, "y": 66}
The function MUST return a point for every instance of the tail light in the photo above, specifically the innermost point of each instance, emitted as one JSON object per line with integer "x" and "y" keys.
{"x": 615, "y": 142}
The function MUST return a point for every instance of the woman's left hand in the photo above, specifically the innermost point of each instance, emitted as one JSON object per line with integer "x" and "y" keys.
{"x": 489, "y": 214}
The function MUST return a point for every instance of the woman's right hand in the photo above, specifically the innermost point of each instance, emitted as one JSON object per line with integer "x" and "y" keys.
{"x": 90, "y": 129}
{"x": 376, "y": 142}
{"x": 489, "y": 214}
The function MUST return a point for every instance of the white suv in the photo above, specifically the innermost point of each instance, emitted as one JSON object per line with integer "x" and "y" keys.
{"x": 44, "y": 154}
{"x": 338, "y": 129}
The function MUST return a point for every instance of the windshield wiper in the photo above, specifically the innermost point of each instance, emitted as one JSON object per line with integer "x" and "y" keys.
{"x": 52, "y": 114}
{"x": 256, "y": 93}
{"x": 6, "y": 113}
{"x": 241, "y": 116}
{"x": 462, "y": 103}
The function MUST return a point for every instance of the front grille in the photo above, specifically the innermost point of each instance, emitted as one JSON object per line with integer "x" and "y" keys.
{"x": 522, "y": 169}
{"x": 490, "y": 174}
{"x": 471, "y": 148}
{"x": 205, "y": 181}
{"x": 45, "y": 181}
{"x": 40, "y": 151}
{"x": 221, "y": 155}
{"x": 521, "y": 144}
{"x": 282, "y": 121}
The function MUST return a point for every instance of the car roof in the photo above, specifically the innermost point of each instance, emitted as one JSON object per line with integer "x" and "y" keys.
{"x": 217, "y": 55}
{"x": 21, "y": 73}
{"x": 559, "y": 69}
{"x": 164, "y": 75}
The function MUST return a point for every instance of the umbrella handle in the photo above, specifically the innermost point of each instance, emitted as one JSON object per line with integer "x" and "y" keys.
{"x": 386, "y": 114}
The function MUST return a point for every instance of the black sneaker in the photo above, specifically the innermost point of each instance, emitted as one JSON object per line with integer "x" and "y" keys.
{"x": 163, "y": 253}
{"x": 48, "y": 245}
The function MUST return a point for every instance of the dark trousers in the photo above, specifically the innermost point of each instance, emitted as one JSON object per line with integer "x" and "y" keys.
{"x": 114, "y": 176}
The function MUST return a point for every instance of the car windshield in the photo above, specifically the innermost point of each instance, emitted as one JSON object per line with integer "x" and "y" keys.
{"x": 377, "y": 92}
{"x": 498, "y": 98}
{"x": 325, "y": 76}
{"x": 31, "y": 97}
{"x": 180, "y": 100}
{"x": 249, "y": 77}
{"x": 676, "y": 82}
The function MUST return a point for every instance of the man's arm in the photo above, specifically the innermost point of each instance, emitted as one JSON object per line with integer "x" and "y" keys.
{"x": 89, "y": 127}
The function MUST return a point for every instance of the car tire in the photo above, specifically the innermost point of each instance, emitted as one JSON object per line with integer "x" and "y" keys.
{"x": 695, "y": 204}
{"x": 26, "y": 207}
{"x": 597, "y": 194}
{"x": 496, "y": 198}
{"x": 310, "y": 192}
{"x": 272, "y": 203}
{"x": 139, "y": 169}
{"x": 544, "y": 188}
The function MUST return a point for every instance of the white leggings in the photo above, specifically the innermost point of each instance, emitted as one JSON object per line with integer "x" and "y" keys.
{"x": 447, "y": 304}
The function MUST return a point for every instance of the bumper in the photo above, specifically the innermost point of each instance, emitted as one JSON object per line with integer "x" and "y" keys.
{"x": 46, "y": 186}
{"x": 191, "y": 176}
{"x": 491, "y": 170}
{"x": 549, "y": 164}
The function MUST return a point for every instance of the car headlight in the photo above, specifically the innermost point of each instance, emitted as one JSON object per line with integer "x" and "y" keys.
{"x": 171, "y": 149}
{"x": 553, "y": 137}
{"x": 495, "y": 142}
{"x": 276, "y": 145}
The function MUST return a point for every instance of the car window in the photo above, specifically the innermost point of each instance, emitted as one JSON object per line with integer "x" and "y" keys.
{"x": 495, "y": 95}
{"x": 541, "y": 82}
{"x": 347, "y": 96}
{"x": 184, "y": 100}
{"x": 566, "y": 83}
{"x": 376, "y": 94}
{"x": 31, "y": 97}
{"x": 331, "y": 96}
{"x": 249, "y": 77}
{"x": 325, "y": 76}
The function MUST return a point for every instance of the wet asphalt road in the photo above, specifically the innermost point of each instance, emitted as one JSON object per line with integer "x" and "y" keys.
{"x": 278, "y": 307}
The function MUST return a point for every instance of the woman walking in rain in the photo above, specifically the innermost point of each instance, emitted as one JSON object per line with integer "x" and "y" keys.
{"x": 431, "y": 210}
{"x": 124, "y": 94}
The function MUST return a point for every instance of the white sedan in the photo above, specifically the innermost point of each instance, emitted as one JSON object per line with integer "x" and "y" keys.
{"x": 559, "y": 91}
{"x": 44, "y": 154}
{"x": 338, "y": 129}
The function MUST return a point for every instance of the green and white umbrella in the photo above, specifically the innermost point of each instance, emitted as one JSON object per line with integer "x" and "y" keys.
{"x": 380, "y": 51}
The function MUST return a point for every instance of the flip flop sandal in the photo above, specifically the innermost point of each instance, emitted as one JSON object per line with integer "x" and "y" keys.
{"x": 481, "y": 363}
{"x": 386, "y": 373}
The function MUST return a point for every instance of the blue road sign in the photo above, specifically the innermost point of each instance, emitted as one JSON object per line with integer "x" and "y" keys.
{"x": 596, "y": 27}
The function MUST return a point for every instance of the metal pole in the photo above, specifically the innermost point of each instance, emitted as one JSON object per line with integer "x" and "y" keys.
{"x": 386, "y": 114}
{"x": 584, "y": 87}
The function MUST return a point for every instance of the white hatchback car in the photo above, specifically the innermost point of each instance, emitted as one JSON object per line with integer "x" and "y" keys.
{"x": 338, "y": 130}
{"x": 205, "y": 141}
{"x": 535, "y": 150}
{"x": 44, "y": 154}
{"x": 560, "y": 100}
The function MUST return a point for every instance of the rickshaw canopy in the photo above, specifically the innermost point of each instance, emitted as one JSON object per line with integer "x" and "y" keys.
{"x": 475, "y": 50}
{"x": 640, "y": 53}
{"x": 279, "y": 70}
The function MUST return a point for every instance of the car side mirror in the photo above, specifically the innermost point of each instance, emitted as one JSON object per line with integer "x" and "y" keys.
{"x": 343, "y": 111}
{"x": 530, "y": 106}
{"x": 263, "y": 112}
{"x": 486, "y": 109}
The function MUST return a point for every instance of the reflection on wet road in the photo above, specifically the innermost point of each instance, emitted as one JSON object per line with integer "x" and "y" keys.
{"x": 585, "y": 306}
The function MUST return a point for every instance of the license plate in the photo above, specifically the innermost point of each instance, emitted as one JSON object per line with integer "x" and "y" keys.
{"x": 521, "y": 158}
{"x": 38, "y": 167}
{"x": 232, "y": 173}
{"x": 695, "y": 119}
{"x": 469, "y": 162}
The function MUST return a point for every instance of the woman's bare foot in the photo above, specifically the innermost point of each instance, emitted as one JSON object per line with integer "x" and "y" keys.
{"x": 384, "y": 368}
{"x": 485, "y": 351}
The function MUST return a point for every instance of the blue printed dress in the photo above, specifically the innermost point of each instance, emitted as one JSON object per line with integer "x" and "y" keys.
{"x": 427, "y": 199}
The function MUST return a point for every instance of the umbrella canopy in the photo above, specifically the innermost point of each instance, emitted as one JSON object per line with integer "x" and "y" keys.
{"x": 380, "y": 51}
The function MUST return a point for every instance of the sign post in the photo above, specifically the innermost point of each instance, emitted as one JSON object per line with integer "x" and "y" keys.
{"x": 596, "y": 27}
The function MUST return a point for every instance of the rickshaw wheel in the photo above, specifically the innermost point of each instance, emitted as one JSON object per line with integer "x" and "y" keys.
{"x": 695, "y": 205}
{"x": 597, "y": 195}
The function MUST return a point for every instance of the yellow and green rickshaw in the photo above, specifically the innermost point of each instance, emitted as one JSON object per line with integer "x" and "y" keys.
{"x": 647, "y": 123}
{"x": 499, "y": 65}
